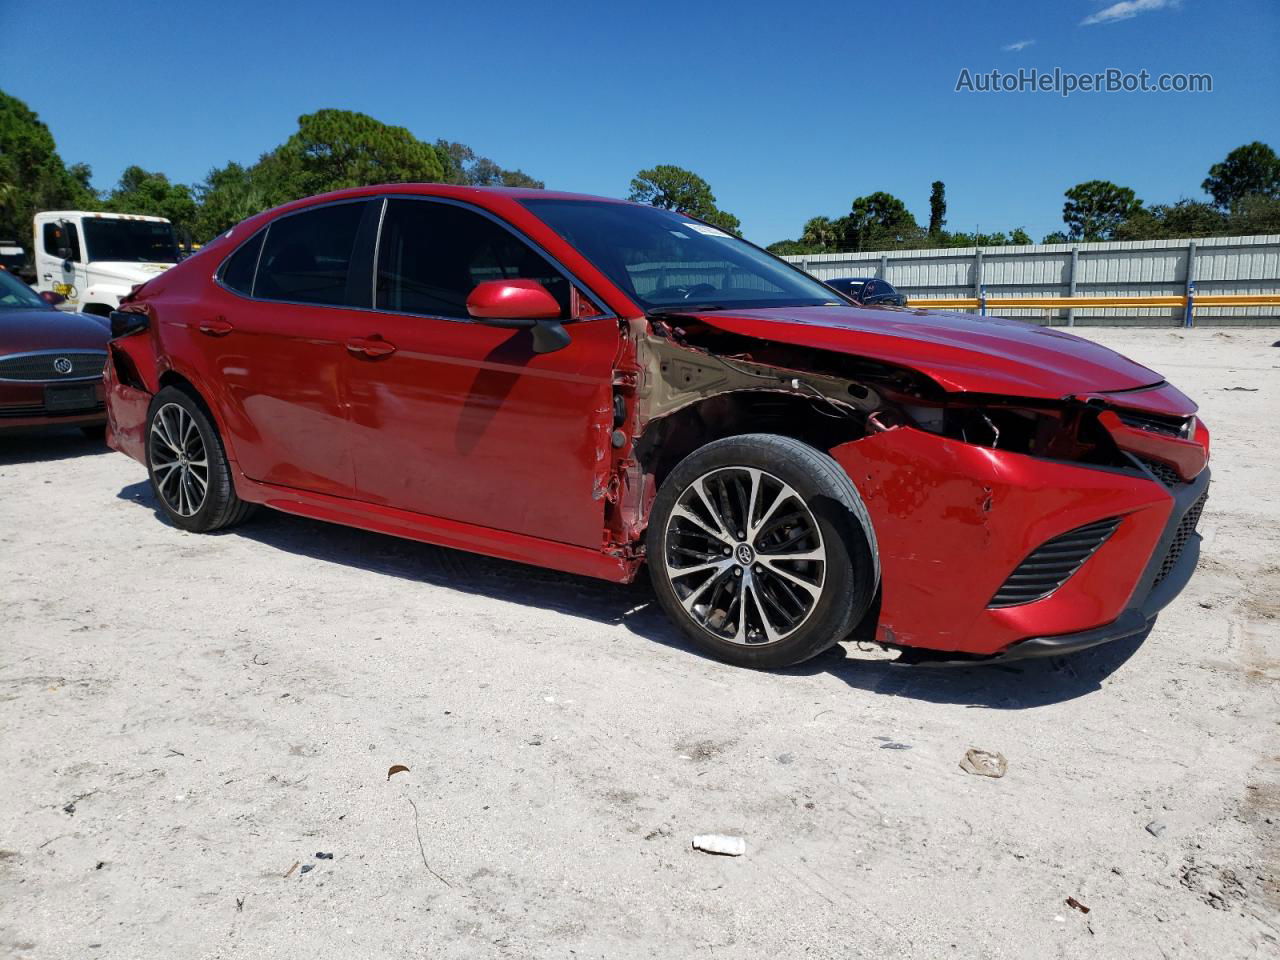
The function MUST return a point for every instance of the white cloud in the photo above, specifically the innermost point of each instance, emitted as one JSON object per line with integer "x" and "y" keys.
{"x": 1017, "y": 45}
{"x": 1126, "y": 10}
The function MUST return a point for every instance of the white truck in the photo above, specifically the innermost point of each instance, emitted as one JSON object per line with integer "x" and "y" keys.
{"x": 94, "y": 259}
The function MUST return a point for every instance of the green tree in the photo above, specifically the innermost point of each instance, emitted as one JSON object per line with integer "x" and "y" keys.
{"x": 1251, "y": 169}
{"x": 335, "y": 149}
{"x": 879, "y": 221}
{"x": 32, "y": 174}
{"x": 674, "y": 188}
{"x": 1253, "y": 214}
{"x": 820, "y": 233}
{"x": 1161, "y": 221}
{"x": 464, "y": 166}
{"x": 1019, "y": 237}
{"x": 1094, "y": 209}
{"x": 1056, "y": 237}
{"x": 151, "y": 194}
{"x": 937, "y": 209}
{"x": 228, "y": 195}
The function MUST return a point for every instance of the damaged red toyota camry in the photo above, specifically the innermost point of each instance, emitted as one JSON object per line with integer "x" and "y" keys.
{"x": 592, "y": 385}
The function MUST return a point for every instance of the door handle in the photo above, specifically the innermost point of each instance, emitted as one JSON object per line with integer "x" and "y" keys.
{"x": 373, "y": 346}
{"x": 215, "y": 328}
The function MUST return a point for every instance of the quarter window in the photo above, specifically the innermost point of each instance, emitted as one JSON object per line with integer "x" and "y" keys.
{"x": 431, "y": 256}
{"x": 307, "y": 258}
{"x": 237, "y": 272}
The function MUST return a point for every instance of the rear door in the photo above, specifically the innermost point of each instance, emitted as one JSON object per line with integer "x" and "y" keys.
{"x": 274, "y": 337}
{"x": 460, "y": 420}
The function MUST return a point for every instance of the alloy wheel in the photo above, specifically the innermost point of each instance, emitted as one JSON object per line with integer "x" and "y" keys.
{"x": 744, "y": 556}
{"x": 179, "y": 460}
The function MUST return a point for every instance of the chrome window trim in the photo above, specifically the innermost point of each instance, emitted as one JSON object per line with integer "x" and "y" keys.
{"x": 605, "y": 312}
{"x": 377, "y": 248}
{"x": 54, "y": 353}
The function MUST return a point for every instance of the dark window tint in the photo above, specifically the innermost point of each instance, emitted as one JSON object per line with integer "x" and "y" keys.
{"x": 56, "y": 235}
{"x": 307, "y": 258}
{"x": 237, "y": 272}
{"x": 432, "y": 255}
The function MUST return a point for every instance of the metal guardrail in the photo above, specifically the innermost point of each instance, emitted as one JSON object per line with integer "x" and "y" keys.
{"x": 1188, "y": 302}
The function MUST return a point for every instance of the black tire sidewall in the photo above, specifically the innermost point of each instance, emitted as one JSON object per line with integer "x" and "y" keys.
{"x": 215, "y": 501}
{"x": 852, "y": 570}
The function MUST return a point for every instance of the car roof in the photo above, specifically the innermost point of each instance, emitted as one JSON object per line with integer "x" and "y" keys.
{"x": 460, "y": 191}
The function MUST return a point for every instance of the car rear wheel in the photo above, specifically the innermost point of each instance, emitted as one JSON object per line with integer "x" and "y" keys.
{"x": 189, "y": 472}
{"x": 761, "y": 550}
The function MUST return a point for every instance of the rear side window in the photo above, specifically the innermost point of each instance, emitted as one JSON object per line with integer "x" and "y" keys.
{"x": 307, "y": 258}
{"x": 432, "y": 255}
{"x": 237, "y": 272}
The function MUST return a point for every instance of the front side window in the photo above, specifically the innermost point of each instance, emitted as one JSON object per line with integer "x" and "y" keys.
{"x": 307, "y": 258}
{"x": 131, "y": 241}
{"x": 665, "y": 260}
{"x": 57, "y": 235}
{"x": 431, "y": 255}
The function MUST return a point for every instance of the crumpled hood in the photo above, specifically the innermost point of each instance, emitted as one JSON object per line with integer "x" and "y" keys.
{"x": 960, "y": 352}
{"x": 22, "y": 331}
{"x": 126, "y": 272}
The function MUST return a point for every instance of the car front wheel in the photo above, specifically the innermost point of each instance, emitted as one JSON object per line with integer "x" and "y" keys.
{"x": 761, "y": 550}
{"x": 189, "y": 472}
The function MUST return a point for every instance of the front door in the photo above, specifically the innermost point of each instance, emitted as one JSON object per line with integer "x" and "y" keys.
{"x": 455, "y": 419}
{"x": 274, "y": 344}
{"x": 60, "y": 262}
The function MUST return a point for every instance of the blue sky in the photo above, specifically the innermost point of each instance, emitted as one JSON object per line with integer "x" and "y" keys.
{"x": 789, "y": 110}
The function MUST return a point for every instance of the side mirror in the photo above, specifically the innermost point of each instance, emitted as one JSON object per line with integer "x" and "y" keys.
{"x": 125, "y": 322}
{"x": 520, "y": 304}
{"x": 51, "y": 298}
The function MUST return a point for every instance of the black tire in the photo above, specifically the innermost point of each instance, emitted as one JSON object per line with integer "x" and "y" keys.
{"x": 219, "y": 507}
{"x": 847, "y": 579}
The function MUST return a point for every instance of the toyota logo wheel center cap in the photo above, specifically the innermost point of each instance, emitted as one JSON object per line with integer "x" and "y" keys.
{"x": 745, "y": 554}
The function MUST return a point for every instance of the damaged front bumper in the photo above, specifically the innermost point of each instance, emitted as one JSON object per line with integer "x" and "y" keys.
{"x": 954, "y": 521}
{"x": 1168, "y": 572}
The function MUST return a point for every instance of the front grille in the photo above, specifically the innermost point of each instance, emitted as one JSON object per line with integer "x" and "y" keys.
{"x": 39, "y": 410}
{"x": 1052, "y": 564}
{"x": 1164, "y": 473}
{"x": 41, "y": 366}
{"x": 1186, "y": 527}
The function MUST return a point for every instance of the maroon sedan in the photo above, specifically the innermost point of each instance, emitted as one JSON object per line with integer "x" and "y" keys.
{"x": 50, "y": 362}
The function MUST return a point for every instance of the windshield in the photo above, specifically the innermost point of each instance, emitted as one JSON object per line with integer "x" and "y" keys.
{"x": 664, "y": 260}
{"x": 15, "y": 293}
{"x": 137, "y": 241}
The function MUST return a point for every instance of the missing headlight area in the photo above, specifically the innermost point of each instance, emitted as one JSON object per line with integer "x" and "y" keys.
{"x": 699, "y": 384}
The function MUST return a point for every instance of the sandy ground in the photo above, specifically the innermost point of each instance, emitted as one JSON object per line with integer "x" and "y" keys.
{"x": 183, "y": 718}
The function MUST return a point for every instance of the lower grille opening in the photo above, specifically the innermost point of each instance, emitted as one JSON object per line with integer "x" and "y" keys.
{"x": 1164, "y": 473}
{"x": 1053, "y": 563}
{"x": 1186, "y": 527}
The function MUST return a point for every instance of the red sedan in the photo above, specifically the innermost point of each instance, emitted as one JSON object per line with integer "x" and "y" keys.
{"x": 50, "y": 362}
{"x": 593, "y": 385}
